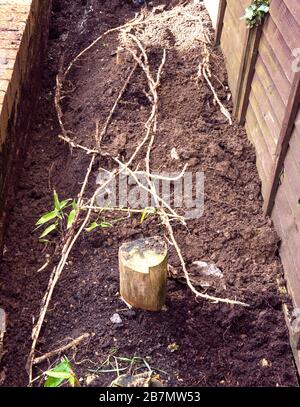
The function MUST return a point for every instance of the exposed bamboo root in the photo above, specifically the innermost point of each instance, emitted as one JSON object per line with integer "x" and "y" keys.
{"x": 204, "y": 70}
{"x": 186, "y": 274}
{"x": 152, "y": 189}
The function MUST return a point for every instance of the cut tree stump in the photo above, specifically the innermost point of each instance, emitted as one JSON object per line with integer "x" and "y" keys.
{"x": 143, "y": 273}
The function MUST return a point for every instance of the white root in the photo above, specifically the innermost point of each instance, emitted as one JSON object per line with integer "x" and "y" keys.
{"x": 204, "y": 70}
{"x": 153, "y": 85}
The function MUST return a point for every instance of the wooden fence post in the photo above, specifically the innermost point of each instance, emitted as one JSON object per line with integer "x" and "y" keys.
{"x": 283, "y": 143}
{"x": 246, "y": 72}
{"x": 220, "y": 21}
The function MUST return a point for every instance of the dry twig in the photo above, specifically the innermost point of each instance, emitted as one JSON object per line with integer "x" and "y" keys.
{"x": 72, "y": 344}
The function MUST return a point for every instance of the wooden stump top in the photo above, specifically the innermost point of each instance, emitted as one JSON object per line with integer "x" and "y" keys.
{"x": 143, "y": 254}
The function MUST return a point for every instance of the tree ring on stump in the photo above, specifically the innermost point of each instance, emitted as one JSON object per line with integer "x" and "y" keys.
{"x": 143, "y": 272}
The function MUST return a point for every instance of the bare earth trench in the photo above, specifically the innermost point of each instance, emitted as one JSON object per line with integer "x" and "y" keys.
{"x": 218, "y": 344}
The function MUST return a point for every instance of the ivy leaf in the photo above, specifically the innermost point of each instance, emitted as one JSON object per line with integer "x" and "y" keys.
{"x": 255, "y": 13}
{"x": 48, "y": 230}
{"x": 264, "y": 8}
{"x": 249, "y": 13}
{"x": 46, "y": 217}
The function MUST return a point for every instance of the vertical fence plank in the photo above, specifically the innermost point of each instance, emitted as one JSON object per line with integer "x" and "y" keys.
{"x": 246, "y": 72}
{"x": 220, "y": 21}
{"x": 283, "y": 143}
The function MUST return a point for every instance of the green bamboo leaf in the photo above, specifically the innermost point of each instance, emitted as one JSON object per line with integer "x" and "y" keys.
{"x": 46, "y": 217}
{"x": 48, "y": 230}
{"x": 63, "y": 204}
{"x": 56, "y": 201}
{"x": 71, "y": 218}
{"x": 72, "y": 380}
{"x": 146, "y": 212}
{"x": 58, "y": 375}
{"x": 63, "y": 366}
{"x": 144, "y": 215}
{"x": 44, "y": 241}
{"x": 53, "y": 382}
{"x": 105, "y": 224}
{"x": 92, "y": 226}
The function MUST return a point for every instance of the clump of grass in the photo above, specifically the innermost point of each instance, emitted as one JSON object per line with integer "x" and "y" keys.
{"x": 133, "y": 367}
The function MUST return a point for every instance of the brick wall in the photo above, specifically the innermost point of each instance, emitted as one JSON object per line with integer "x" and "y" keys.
{"x": 23, "y": 38}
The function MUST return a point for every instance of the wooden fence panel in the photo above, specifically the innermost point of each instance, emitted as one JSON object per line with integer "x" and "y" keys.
{"x": 272, "y": 116}
{"x": 285, "y": 135}
{"x": 233, "y": 37}
{"x": 288, "y": 228}
{"x": 267, "y": 54}
{"x": 272, "y": 82}
{"x": 263, "y": 162}
{"x": 270, "y": 110}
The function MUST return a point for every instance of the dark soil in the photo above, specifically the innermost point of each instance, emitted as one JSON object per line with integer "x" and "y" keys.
{"x": 219, "y": 345}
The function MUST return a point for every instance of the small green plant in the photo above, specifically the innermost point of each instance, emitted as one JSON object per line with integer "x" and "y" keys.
{"x": 256, "y": 12}
{"x": 62, "y": 373}
{"x": 102, "y": 223}
{"x": 97, "y": 224}
{"x": 58, "y": 216}
{"x": 146, "y": 212}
